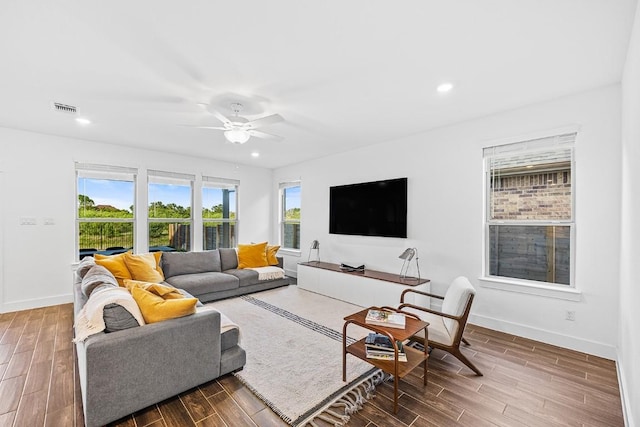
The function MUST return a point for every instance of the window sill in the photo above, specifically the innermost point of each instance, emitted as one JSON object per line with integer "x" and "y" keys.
{"x": 290, "y": 252}
{"x": 522, "y": 287}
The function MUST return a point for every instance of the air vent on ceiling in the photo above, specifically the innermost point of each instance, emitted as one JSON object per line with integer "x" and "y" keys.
{"x": 64, "y": 108}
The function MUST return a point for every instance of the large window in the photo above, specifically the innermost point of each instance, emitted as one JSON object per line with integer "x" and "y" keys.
{"x": 530, "y": 210}
{"x": 219, "y": 213}
{"x": 170, "y": 214}
{"x": 105, "y": 215}
{"x": 290, "y": 215}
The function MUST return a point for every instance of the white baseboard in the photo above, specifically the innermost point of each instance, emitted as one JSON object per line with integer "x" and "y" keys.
{"x": 624, "y": 396}
{"x": 586, "y": 346}
{"x": 9, "y": 307}
{"x": 291, "y": 273}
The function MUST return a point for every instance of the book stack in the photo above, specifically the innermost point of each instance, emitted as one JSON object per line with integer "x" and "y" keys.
{"x": 379, "y": 347}
{"x": 352, "y": 267}
{"x": 390, "y": 319}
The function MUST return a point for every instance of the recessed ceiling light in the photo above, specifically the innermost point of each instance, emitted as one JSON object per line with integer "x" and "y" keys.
{"x": 445, "y": 87}
{"x": 255, "y": 154}
{"x": 83, "y": 121}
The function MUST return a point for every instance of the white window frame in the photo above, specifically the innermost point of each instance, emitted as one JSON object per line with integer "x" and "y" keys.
{"x": 172, "y": 178}
{"x": 550, "y": 141}
{"x": 104, "y": 172}
{"x": 282, "y": 188}
{"x": 221, "y": 183}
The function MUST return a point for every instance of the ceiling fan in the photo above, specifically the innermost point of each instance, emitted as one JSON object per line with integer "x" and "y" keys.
{"x": 238, "y": 129}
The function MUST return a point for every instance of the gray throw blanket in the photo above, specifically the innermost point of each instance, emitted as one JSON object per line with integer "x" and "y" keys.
{"x": 97, "y": 276}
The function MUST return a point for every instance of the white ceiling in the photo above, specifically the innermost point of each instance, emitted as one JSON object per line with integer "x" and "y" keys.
{"x": 343, "y": 73}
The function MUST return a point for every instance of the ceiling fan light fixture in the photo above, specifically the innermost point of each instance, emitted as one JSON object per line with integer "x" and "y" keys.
{"x": 444, "y": 87}
{"x": 237, "y": 136}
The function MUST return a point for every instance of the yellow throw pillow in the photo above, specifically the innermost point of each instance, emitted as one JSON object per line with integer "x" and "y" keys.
{"x": 272, "y": 250}
{"x": 156, "y": 309}
{"x": 158, "y": 256}
{"x": 252, "y": 256}
{"x": 164, "y": 291}
{"x": 144, "y": 267}
{"x": 116, "y": 265}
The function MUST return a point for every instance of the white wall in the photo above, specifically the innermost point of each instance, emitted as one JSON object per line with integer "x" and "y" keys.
{"x": 629, "y": 331}
{"x": 39, "y": 182}
{"x": 445, "y": 172}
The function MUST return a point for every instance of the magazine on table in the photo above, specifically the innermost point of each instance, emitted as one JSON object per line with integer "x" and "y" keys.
{"x": 390, "y": 319}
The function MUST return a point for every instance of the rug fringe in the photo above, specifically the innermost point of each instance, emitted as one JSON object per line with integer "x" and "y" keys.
{"x": 339, "y": 411}
{"x": 266, "y": 401}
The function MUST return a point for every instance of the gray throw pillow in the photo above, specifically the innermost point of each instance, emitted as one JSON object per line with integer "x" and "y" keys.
{"x": 117, "y": 318}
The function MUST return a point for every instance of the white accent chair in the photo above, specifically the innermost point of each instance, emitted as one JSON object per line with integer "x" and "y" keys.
{"x": 446, "y": 327}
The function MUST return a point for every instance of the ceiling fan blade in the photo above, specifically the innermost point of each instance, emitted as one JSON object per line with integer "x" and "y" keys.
{"x": 264, "y": 135}
{"x": 203, "y": 127}
{"x": 264, "y": 121}
{"x": 210, "y": 127}
{"x": 218, "y": 115}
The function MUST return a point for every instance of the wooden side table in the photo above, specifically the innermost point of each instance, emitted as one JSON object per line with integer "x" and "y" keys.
{"x": 394, "y": 367}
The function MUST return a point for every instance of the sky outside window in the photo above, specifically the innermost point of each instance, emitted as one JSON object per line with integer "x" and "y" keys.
{"x": 168, "y": 193}
{"x": 292, "y": 197}
{"x": 118, "y": 194}
{"x": 213, "y": 197}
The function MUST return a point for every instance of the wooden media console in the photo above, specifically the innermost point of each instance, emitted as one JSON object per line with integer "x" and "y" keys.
{"x": 368, "y": 288}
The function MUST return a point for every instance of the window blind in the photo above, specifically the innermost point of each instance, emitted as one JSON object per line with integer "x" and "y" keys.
{"x": 96, "y": 171}
{"x": 556, "y": 141}
{"x": 170, "y": 178}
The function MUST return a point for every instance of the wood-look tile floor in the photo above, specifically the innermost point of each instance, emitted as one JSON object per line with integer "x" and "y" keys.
{"x": 525, "y": 383}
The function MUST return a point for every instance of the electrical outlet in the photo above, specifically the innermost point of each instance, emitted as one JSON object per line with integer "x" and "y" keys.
{"x": 571, "y": 315}
{"x": 28, "y": 221}
{"x": 49, "y": 221}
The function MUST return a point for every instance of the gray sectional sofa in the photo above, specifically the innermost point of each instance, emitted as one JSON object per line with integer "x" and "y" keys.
{"x": 125, "y": 371}
{"x": 213, "y": 275}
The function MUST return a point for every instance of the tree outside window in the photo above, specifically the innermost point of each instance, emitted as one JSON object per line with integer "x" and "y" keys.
{"x": 170, "y": 219}
{"x": 105, "y": 214}
{"x": 219, "y": 213}
{"x": 290, "y": 216}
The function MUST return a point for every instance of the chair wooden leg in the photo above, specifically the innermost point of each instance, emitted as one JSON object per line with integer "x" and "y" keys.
{"x": 461, "y": 357}
{"x": 465, "y": 341}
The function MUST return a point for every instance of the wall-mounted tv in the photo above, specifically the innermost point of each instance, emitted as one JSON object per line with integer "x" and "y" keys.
{"x": 376, "y": 208}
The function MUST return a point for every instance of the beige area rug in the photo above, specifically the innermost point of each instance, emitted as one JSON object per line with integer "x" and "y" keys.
{"x": 293, "y": 340}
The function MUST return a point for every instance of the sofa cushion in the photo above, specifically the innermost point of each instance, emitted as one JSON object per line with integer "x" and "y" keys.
{"x": 253, "y": 255}
{"x": 202, "y": 283}
{"x": 179, "y": 263}
{"x": 247, "y": 277}
{"x": 228, "y": 258}
{"x": 145, "y": 267}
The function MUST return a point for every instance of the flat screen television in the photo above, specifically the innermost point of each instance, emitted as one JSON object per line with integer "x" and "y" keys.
{"x": 376, "y": 208}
